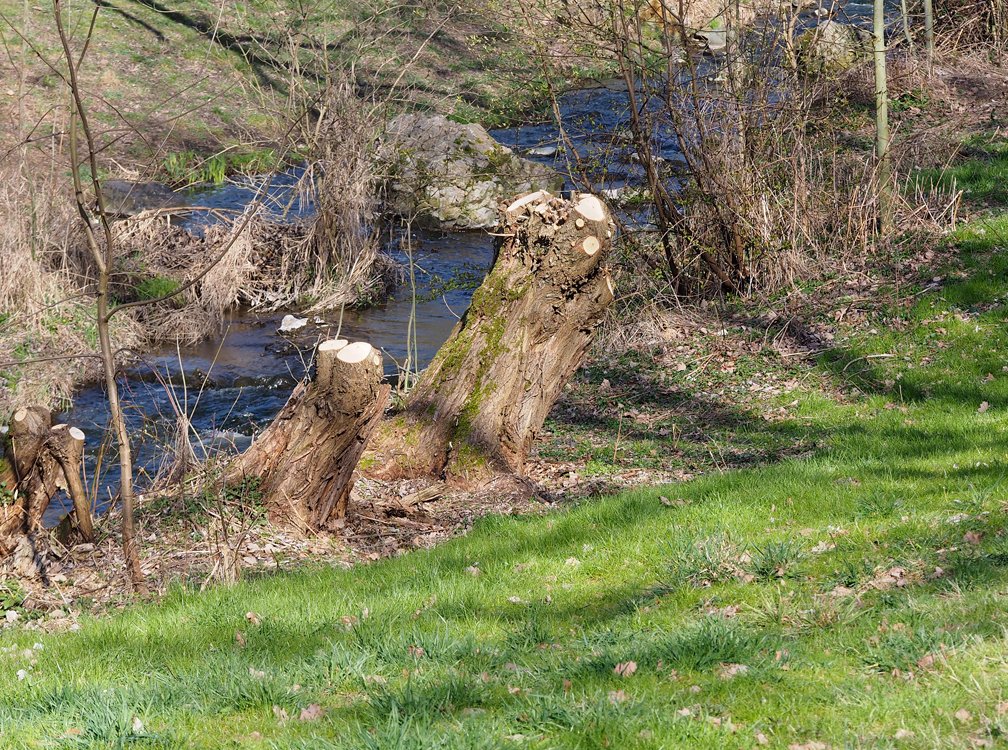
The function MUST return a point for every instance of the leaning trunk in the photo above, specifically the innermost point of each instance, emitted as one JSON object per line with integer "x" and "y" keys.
{"x": 304, "y": 461}
{"x": 481, "y": 402}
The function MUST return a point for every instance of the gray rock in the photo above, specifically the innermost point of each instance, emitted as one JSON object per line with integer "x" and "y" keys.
{"x": 292, "y": 323}
{"x": 126, "y": 198}
{"x": 715, "y": 40}
{"x": 454, "y": 175}
{"x": 833, "y": 47}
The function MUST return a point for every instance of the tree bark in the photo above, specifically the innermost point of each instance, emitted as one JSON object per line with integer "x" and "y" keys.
{"x": 883, "y": 154}
{"x": 479, "y": 405}
{"x": 305, "y": 459}
{"x": 66, "y": 444}
{"x": 33, "y": 466}
{"x": 41, "y": 459}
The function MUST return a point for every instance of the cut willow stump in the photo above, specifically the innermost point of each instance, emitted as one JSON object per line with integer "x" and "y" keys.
{"x": 305, "y": 459}
{"x": 483, "y": 399}
{"x": 41, "y": 459}
{"x": 66, "y": 445}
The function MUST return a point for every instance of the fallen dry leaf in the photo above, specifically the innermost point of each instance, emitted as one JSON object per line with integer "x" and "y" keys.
{"x": 253, "y": 618}
{"x": 963, "y": 715}
{"x": 973, "y": 537}
{"x": 617, "y": 696}
{"x": 984, "y": 406}
{"x": 730, "y": 671}
{"x": 240, "y": 638}
{"x": 625, "y": 669}
{"x": 312, "y": 712}
{"x": 280, "y": 714}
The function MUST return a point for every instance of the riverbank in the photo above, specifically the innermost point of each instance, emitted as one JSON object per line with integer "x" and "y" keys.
{"x": 849, "y": 594}
{"x": 671, "y": 397}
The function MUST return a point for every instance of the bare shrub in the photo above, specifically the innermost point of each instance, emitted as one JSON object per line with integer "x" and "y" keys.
{"x": 765, "y": 196}
{"x": 974, "y": 23}
{"x": 45, "y": 311}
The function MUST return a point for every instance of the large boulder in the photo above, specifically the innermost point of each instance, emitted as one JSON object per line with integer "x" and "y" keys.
{"x": 454, "y": 175}
{"x": 833, "y": 47}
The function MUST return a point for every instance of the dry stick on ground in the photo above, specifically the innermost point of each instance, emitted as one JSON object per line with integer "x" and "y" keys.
{"x": 102, "y": 257}
{"x": 481, "y": 402}
{"x": 305, "y": 459}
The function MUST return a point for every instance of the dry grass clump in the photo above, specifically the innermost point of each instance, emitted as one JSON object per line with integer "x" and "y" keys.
{"x": 340, "y": 255}
{"x": 251, "y": 261}
{"x": 47, "y": 318}
{"x": 325, "y": 262}
{"x": 974, "y": 23}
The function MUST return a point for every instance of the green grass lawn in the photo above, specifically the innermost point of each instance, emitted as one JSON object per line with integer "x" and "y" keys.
{"x": 856, "y": 598}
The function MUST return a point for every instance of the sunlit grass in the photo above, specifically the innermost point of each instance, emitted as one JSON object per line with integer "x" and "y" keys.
{"x": 855, "y": 598}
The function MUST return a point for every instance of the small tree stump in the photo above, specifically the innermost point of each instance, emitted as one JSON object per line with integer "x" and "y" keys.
{"x": 40, "y": 459}
{"x": 66, "y": 444}
{"x": 34, "y": 468}
{"x": 305, "y": 459}
{"x": 483, "y": 399}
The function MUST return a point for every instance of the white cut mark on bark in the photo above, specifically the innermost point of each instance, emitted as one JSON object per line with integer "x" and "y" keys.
{"x": 525, "y": 200}
{"x": 591, "y": 208}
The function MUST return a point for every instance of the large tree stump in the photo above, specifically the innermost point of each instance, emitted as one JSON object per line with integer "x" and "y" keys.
{"x": 480, "y": 403}
{"x": 305, "y": 459}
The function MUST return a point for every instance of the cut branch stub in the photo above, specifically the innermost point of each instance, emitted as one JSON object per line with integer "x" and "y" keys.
{"x": 306, "y": 457}
{"x": 66, "y": 444}
{"x": 485, "y": 396}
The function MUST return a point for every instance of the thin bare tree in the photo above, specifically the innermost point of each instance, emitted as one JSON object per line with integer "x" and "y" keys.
{"x": 883, "y": 153}
{"x": 102, "y": 254}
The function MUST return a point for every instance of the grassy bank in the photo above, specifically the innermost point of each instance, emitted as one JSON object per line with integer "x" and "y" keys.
{"x": 186, "y": 93}
{"x": 852, "y": 598}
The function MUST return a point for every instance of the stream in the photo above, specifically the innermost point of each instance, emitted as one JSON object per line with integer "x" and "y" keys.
{"x": 231, "y": 387}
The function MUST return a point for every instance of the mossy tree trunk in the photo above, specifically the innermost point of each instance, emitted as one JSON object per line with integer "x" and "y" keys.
{"x": 304, "y": 461}
{"x": 481, "y": 402}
